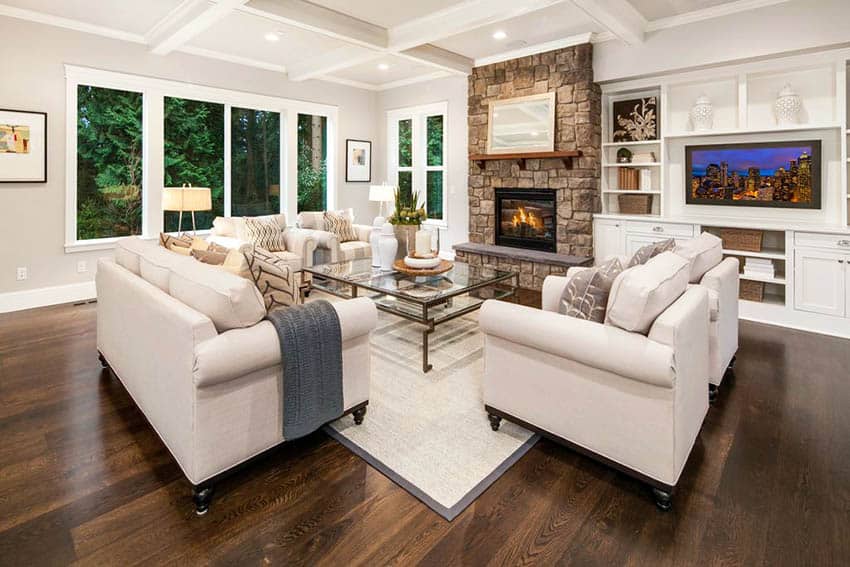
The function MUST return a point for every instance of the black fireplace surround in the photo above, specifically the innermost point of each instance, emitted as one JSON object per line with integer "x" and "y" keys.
{"x": 525, "y": 218}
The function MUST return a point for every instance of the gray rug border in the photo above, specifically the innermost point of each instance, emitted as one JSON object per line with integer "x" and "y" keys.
{"x": 461, "y": 505}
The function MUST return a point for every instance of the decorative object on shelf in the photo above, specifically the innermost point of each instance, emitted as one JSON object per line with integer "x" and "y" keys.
{"x": 636, "y": 120}
{"x": 388, "y": 246}
{"x": 743, "y": 239}
{"x": 787, "y": 106}
{"x": 375, "y": 241}
{"x": 702, "y": 114}
{"x": 442, "y": 267}
{"x": 422, "y": 263}
{"x": 767, "y": 174}
{"x": 408, "y": 210}
{"x": 628, "y": 179}
{"x": 646, "y": 179}
{"x": 188, "y": 199}
{"x": 358, "y": 161}
{"x": 644, "y": 157}
{"x": 635, "y": 204}
{"x": 751, "y": 290}
{"x": 521, "y": 124}
{"x": 382, "y": 193}
{"x": 624, "y": 155}
{"x": 759, "y": 268}
{"x": 23, "y": 146}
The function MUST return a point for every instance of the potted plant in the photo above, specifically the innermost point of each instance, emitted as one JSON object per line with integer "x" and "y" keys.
{"x": 406, "y": 218}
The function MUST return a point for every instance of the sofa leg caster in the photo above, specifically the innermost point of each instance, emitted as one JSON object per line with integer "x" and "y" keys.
{"x": 202, "y": 496}
{"x": 102, "y": 359}
{"x": 495, "y": 421}
{"x": 359, "y": 414}
{"x": 712, "y": 393}
{"x": 663, "y": 499}
{"x": 731, "y": 367}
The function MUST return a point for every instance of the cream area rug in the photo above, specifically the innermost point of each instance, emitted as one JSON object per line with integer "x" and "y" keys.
{"x": 429, "y": 433}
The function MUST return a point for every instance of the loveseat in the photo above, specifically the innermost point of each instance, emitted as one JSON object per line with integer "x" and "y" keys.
{"x": 189, "y": 343}
{"x": 328, "y": 248}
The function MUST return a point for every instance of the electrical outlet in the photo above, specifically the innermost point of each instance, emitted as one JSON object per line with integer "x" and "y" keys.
{"x": 82, "y": 267}
{"x": 22, "y": 274}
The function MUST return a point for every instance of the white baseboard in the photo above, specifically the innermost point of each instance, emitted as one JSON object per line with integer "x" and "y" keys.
{"x": 44, "y": 296}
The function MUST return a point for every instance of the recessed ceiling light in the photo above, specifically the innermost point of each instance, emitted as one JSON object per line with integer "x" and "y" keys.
{"x": 499, "y": 34}
{"x": 272, "y": 36}
{"x": 383, "y": 66}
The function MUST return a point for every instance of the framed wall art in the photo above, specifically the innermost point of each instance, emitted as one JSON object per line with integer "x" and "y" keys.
{"x": 23, "y": 146}
{"x": 635, "y": 120}
{"x": 358, "y": 161}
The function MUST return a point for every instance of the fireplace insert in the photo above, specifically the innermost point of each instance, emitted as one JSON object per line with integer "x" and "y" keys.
{"x": 525, "y": 218}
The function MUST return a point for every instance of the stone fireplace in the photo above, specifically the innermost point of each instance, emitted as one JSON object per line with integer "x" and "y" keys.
{"x": 572, "y": 185}
{"x": 525, "y": 218}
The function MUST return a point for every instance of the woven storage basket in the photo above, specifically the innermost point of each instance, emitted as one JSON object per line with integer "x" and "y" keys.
{"x": 752, "y": 291}
{"x": 741, "y": 239}
{"x": 635, "y": 204}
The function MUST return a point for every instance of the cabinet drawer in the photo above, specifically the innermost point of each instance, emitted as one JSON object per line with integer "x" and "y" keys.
{"x": 669, "y": 229}
{"x": 817, "y": 240}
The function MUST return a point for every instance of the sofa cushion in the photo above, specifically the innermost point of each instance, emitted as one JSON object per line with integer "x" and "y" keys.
{"x": 156, "y": 263}
{"x": 640, "y": 294}
{"x": 354, "y": 250}
{"x": 586, "y": 293}
{"x": 264, "y": 233}
{"x": 316, "y": 219}
{"x": 703, "y": 253}
{"x": 274, "y": 279}
{"x": 224, "y": 226}
{"x": 341, "y": 225}
{"x": 645, "y": 253}
{"x": 128, "y": 251}
{"x": 231, "y": 302}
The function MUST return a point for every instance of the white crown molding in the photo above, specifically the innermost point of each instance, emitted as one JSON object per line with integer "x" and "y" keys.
{"x": 67, "y": 23}
{"x": 248, "y": 62}
{"x": 534, "y": 49}
{"x": 710, "y": 13}
{"x": 44, "y": 296}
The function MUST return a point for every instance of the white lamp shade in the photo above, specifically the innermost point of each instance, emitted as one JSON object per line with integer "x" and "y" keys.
{"x": 381, "y": 193}
{"x": 186, "y": 199}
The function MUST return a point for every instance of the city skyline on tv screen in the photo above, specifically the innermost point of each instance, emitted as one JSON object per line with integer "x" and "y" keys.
{"x": 767, "y": 160}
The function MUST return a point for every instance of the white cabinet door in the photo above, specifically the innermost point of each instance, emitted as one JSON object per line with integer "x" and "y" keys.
{"x": 607, "y": 239}
{"x": 820, "y": 281}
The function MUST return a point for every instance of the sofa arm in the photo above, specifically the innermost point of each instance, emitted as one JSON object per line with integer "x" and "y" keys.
{"x": 553, "y": 289}
{"x": 363, "y": 231}
{"x": 604, "y": 347}
{"x": 300, "y": 242}
{"x": 684, "y": 327}
{"x": 724, "y": 280}
{"x": 239, "y": 352}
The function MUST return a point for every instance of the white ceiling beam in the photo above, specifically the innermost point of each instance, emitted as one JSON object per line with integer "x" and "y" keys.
{"x": 618, "y": 17}
{"x": 321, "y": 20}
{"x": 460, "y": 18}
{"x": 334, "y": 60}
{"x": 439, "y": 58}
{"x": 187, "y": 21}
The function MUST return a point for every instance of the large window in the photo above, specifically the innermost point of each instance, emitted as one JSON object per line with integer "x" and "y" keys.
{"x": 254, "y": 162}
{"x": 417, "y": 156}
{"x": 194, "y": 154}
{"x": 312, "y": 162}
{"x": 109, "y": 163}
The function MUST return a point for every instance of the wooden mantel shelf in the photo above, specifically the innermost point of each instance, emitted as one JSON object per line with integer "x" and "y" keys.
{"x": 566, "y": 156}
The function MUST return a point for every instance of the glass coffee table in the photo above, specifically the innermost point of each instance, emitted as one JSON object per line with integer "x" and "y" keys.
{"x": 428, "y": 300}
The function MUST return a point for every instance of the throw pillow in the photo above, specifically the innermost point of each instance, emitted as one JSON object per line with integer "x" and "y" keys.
{"x": 645, "y": 253}
{"x": 181, "y": 244}
{"x": 586, "y": 294}
{"x": 209, "y": 256}
{"x": 273, "y": 278}
{"x": 703, "y": 252}
{"x": 340, "y": 225}
{"x": 264, "y": 233}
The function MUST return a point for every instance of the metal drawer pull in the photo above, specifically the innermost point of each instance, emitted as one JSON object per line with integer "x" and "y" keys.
{"x": 661, "y": 229}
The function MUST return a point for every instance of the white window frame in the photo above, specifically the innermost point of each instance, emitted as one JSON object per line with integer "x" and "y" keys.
{"x": 154, "y": 92}
{"x": 420, "y": 168}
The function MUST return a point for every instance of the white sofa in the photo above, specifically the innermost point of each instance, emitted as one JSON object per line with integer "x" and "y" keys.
{"x": 633, "y": 401}
{"x": 328, "y": 247}
{"x": 189, "y": 343}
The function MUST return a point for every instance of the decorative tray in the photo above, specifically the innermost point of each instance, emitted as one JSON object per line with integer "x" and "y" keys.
{"x": 444, "y": 266}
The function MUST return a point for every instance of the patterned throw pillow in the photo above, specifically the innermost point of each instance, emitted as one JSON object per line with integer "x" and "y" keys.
{"x": 273, "y": 278}
{"x": 644, "y": 253}
{"x": 265, "y": 233}
{"x": 181, "y": 244}
{"x": 340, "y": 225}
{"x": 586, "y": 294}
{"x": 209, "y": 256}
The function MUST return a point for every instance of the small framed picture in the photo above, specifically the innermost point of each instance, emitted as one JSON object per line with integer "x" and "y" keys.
{"x": 358, "y": 161}
{"x": 23, "y": 146}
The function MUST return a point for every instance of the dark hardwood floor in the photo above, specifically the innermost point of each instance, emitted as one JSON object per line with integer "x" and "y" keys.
{"x": 83, "y": 478}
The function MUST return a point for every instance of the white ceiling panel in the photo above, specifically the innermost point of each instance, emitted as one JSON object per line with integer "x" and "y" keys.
{"x": 386, "y": 13}
{"x": 242, "y": 35}
{"x": 556, "y": 22}
{"x": 123, "y": 15}
{"x": 655, "y": 9}
{"x": 399, "y": 69}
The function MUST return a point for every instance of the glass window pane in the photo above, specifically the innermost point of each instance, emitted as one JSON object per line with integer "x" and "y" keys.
{"x": 405, "y": 143}
{"x": 254, "y": 162}
{"x": 434, "y": 182}
{"x": 109, "y": 163}
{"x": 194, "y": 154}
{"x": 435, "y": 140}
{"x": 405, "y": 187}
{"x": 312, "y": 162}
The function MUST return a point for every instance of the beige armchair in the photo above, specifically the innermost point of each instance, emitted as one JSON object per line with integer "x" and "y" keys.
{"x": 328, "y": 247}
{"x": 635, "y": 402}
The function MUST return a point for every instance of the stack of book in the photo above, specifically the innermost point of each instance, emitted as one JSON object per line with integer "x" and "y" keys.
{"x": 628, "y": 179}
{"x": 759, "y": 267}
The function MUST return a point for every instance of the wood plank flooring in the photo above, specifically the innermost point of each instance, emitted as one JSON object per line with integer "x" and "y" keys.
{"x": 84, "y": 479}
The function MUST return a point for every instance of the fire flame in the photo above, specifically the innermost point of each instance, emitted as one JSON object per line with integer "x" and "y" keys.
{"x": 528, "y": 218}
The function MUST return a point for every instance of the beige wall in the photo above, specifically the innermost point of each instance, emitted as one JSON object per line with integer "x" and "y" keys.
{"x": 32, "y": 216}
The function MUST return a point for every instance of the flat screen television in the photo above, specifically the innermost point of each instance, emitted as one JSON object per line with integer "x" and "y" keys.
{"x": 769, "y": 174}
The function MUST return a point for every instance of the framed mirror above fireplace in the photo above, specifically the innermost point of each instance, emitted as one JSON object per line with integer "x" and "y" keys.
{"x": 526, "y": 218}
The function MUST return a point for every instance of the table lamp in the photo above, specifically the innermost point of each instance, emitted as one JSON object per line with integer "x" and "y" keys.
{"x": 382, "y": 194}
{"x": 186, "y": 198}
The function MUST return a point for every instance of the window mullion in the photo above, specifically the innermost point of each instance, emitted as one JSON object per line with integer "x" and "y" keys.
{"x": 227, "y": 156}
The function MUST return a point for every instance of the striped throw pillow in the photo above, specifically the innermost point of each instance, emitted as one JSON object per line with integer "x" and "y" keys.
{"x": 340, "y": 225}
{"x": 275, "y": 280}
{"x": 265, "y": 233}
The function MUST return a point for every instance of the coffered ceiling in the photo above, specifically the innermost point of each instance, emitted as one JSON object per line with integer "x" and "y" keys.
{"x": 370, "y": 44}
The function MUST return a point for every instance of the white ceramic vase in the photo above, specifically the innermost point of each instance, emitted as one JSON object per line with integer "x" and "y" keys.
{"x": 787, "y": 106}
{"x": 374, "y": 241}
{"x": 702, "y": 114}
{"x": 388, "y": 246}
